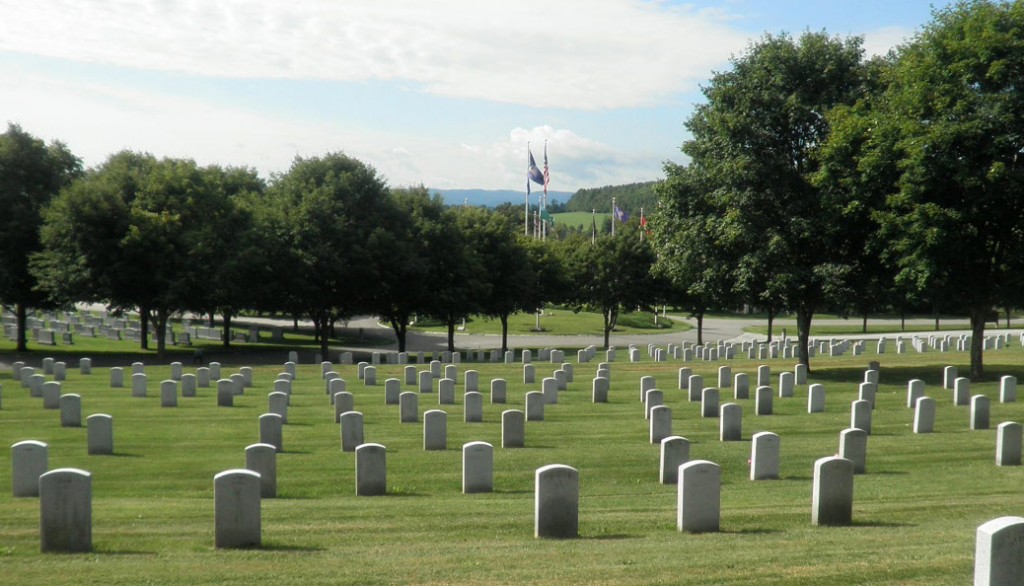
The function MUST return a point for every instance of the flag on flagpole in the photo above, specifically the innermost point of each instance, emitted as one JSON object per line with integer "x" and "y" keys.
{"x": 593, "y": 226}
{"x": 547, "y": 173}
{"x": 532, "y": 172}
{"x": 621, "y": 215}
{"x": 643, "y": 224}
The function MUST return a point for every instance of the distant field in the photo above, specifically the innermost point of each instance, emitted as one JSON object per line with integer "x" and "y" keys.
{"x": 579, "y": 218}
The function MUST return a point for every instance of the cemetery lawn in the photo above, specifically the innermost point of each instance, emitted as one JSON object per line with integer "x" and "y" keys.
{"x": 915, "y": 512}
{"x": 856, "y": 328}
{"x": 563, "y": 322}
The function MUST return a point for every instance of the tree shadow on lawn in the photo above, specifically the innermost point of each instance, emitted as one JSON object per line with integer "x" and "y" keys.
{"x": 884, "y": 524}
{"x": 271, "y": 546}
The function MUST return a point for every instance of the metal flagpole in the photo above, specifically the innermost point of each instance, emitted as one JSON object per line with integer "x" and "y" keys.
{"x": 615, "y": 216}
{"x": 526, "y": 209}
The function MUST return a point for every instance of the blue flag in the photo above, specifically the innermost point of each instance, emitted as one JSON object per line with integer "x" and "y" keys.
{"x": 621, "y": 215}
{"x": 532, "y": 172}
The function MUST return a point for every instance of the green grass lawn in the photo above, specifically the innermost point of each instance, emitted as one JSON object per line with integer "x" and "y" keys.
{"x": 915, "y": 511}
{"x": 857, "y": 328}
{"x": 583, "y": 219}
{"x": 564, "y": 322}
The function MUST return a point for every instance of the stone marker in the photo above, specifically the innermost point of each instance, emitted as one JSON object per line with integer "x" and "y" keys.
{"x": 426, "y": 382}
{"x": 867, "y": 392}
{"x": 99, "y": 434}
{"x": 832, "y": 497}
{"x": 600, "y": 387}
{"x": 699, "y": 497}
{"x": 513, "y": 429}
{"x": 816, "y": 398}
{"x": 800, "y": 374}
{"x": 764, "y": 376}
{"x": 408, "y": 407}
{"x": 724, "y": 377}
{"x": 764, "y": 456}
{"x": 371, "y": 470}
{"x": 979, "y": 412}
{"x": 51, "y": 395}
{"x": 498, "y": 391}
{"x": 853, "y": 446}
{"x": 116, "y": 377}
{"x": 477, "y": 467}
{"x": 343, "y": 403}
{"x": 85, "y": 366}
{"x": 474, "y": 408}
{"x": 962, "y": 391}
{"x": 262, "y": 459}
{"x": 277, "y": 403}
{"x": 435, "y": 430}
{"x": 1008, "y": 443}
{"x": 949, "y": 375}
{"x": 785, "y": 384}
{"x": 472, "y": 381}
{"x": 270, "y": 430}
{"x": 675, "y": 451}
{"x": 176, "y": 371}
{"x": 451, "y": 372}
{"x": 730, "y": 424}
{"x": 30, "y": 459}
{"x": 203, "y": 377}
{"x": 35, "y": 384}
{"x": 924, "y": 415}
{"x": 351, "y": 430}
{"x": 370, "y": 376}
{"x": 59, "y": 371}
{"x": 1007, "y": 389}
{"x": 709, "y": 403}
{"x": 138, "y": 368}
{"x": 410, "y": 375}
{"x": 393, "y": 388}
{"x": 661, "y": 423}
{"x": 138, "y": 385}
{"x": 860, "y": 415}
{"x": 684, "y": 378}
{"x": 694, "y": 387}
{"x": 246, "y": 373}
{"x": 741, "y": 386}
{"x": 225, "y": 392}
{"x": 556, "y": 502}
{"x": 763, "y": 401}
{"x": 188, "y": 385}
{"x": 65, "y": 511}
{"x": 549, "y": 389}
{"x": 535, "y": 406}
{"x": 71, "y": 410}
{"x": 999, "y": 552}
{"x": 915, "y": 390}
{"x": 215, "y": 370}
{"x": 168, "y": 393}
{"x": 652, "y": 398}
{"x": 236, "y": 497}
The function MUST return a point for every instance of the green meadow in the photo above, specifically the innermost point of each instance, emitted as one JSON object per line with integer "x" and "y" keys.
{"x": 915, "y": 511}
{"x": 580, "y": 219}
{"x": 561, "y": 321}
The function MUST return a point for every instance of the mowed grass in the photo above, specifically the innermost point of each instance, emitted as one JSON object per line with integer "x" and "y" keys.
{"x": 915, "y": 511}
{"x": 580, "y": 219}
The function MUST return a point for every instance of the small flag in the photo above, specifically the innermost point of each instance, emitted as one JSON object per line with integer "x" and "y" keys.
{"x": 643, "y": 225}
{"x": 621, "y": 215}
{"x": 544, "y": 215}
{"x": 547, "y": 174}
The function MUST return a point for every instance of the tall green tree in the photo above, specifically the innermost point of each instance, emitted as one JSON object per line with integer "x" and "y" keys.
{"x": 403, "y": 252}
{"x": 956, "y": 220}
{"x": 611, "y": 275}
{"x": 31, "y": 174}
{"x": 327, "y": 207}
{"x": 457, "y": 271}
{"x": 755, "y": 149}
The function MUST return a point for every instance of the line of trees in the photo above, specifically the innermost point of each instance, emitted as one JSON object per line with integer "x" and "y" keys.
{"x": 326, "y": 240}
{"x": 820, "y": 179}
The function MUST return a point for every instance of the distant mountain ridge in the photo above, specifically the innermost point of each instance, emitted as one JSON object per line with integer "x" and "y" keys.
{"x": 495, "y": 197}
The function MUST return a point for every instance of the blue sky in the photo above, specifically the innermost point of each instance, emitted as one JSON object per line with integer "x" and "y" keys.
{"x": 445, "y": 93}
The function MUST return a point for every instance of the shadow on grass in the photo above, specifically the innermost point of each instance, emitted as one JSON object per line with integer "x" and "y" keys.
{"x": 888, "y": 524}
{"x": 608, "y": 537}
{"x": 106, "y": 550}
{"x": 751, "y": 531}
{"x": 289, "y": 547}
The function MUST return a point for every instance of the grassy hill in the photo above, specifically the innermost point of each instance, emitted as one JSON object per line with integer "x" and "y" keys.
{"x": 580, "y": 219}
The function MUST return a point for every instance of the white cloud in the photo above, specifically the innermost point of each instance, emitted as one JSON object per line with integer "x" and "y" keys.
{"x": 582, "y": 54}
{"x": 96, "y": 120}
{"x": 880, "y": 41}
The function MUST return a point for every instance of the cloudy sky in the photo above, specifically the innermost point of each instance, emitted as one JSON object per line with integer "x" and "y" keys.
{"x": 445, "y": 93}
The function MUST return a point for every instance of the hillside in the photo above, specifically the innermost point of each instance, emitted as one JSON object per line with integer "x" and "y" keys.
{"x": 630, "y": 198}
{"x": 494, "y": 197}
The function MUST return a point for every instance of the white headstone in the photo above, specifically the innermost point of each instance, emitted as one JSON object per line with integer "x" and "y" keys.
{"x": 556, "y": 501}
{"x": 477, "y": 467}
{"x": 832, "y": 496}
{"x": 699, "y": 497}
{"x": 351, "y": 430}
{"x": 764, "y": 456}
{"x": 675, "y": 451}
{"x": 30, "y": 459}
{"x": 262, "y": 459}
{"x": 237, "y": 519}
{"x": 513, "y": 429}
{"x": 371, "y": 470}
{"x": 65, "y": 511}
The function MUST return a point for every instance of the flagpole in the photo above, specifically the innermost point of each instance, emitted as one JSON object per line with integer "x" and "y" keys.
{"x": 614, "y": 217}
{"x": 593, "y": 226}
{"x": 526, "y": 209}
{"x": 544, "y": 205}
{"x": 641, "y": 224}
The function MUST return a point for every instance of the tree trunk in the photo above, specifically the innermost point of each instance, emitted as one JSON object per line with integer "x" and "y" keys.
{"x": 504, "y": 333}
{"x": 22, "y": 317}
{"x": 804, "y": 313}
{"x": 864, "y": 324}
{"x": 903, "y": 320}
{"x": 144, "y": 326}
{"x": 213, "y": 319}
{"x": 451, "y": 334}
{"x": 978, "y": 316}
{"x": 227, "y": 328}
{"x": 321, "y": 322}
{"x": 295, "y": 323}
{"x": 400, "y": 325}
{"x": 606, "y": 314}
{"x": 771, "y": 319}
{"x": 1007, "y": 318}
{"x": 332, "y": 320}
{"x": 700, "y": 326}
{"x": 161, "y": 329}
